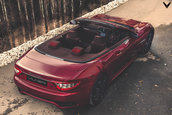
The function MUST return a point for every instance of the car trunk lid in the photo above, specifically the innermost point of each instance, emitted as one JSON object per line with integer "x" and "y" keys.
{"x": 51, "y": 68}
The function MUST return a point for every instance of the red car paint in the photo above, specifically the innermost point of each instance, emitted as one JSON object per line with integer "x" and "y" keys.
{"x": 39, "y": 74}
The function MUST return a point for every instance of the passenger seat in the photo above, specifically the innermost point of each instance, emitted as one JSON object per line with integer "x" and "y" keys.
{"x": 98, "y": 44}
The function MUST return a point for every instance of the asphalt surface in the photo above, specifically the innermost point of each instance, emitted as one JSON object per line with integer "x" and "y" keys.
{"x": 144, "y": 88}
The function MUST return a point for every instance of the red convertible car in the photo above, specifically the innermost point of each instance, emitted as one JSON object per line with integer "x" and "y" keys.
{"x": 76, "y": 67}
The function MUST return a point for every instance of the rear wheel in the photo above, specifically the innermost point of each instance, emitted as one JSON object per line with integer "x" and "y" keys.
{"x": 148, "y": 42}
{"x": 99, "y": 90}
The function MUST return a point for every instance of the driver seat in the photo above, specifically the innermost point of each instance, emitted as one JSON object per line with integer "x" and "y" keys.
{"x": 98, "y": 44}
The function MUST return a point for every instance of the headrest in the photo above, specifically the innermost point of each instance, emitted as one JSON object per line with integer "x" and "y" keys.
{"x": 71, "y": 34}
{"x": 54, "y": 44}
{"x": 77, "y": 50}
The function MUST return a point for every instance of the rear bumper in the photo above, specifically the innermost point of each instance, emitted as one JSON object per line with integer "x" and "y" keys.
{"x": 60, "y": 99}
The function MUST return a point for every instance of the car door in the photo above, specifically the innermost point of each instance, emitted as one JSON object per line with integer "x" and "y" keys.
{"x": 115, "y": 60}
{"x": 128, "y": 50}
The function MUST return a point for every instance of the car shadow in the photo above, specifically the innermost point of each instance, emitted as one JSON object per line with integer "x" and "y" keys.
{"x": 132, "y": 92}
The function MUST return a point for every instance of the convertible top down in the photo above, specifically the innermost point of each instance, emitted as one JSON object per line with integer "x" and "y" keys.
{"x": 90, "y": 37}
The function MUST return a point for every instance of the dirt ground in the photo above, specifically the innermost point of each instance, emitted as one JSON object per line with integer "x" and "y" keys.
{"x": 144, "y": 88}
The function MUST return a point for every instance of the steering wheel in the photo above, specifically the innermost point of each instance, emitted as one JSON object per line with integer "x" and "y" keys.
{"x": 113, "y": 38}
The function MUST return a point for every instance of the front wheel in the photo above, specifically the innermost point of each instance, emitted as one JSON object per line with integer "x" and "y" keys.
{"x": 99, "y": 90}
{"x": 148, "y": 43}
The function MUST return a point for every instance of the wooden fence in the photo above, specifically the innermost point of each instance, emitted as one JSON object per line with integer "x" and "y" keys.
{"x": 23, "y": 20}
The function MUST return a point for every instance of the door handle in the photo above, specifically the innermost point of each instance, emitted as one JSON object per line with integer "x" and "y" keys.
{"x": 117, "y": 53}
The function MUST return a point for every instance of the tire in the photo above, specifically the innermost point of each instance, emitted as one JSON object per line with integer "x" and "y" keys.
{"x": 148, "y": 42}
{"x": 99, "y": 90}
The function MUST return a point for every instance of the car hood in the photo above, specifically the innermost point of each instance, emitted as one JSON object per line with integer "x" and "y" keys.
{"x": 36, "y": 63}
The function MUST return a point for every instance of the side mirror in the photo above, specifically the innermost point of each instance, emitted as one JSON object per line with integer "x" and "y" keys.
{"x": 133, "y": 35}
{"x": 74, "y": 22}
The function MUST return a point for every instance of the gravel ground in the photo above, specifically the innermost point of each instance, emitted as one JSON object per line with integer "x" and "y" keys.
{"x": 144, "y": 88}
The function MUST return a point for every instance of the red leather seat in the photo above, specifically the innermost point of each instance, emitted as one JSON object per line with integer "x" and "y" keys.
{"x": 72, "y": 38}
{"x": 54, "y": 44}
{"x": 77, "y": 51}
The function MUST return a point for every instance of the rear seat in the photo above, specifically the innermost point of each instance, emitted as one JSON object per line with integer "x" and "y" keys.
{"x": 70, "y": 40}
{"x": 54, "y": 44}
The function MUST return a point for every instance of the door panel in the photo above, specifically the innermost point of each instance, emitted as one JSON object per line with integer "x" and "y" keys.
{"x": 114, "y": 60}
{"x": 111, "y": 63}
{"x": 118, "y": 57}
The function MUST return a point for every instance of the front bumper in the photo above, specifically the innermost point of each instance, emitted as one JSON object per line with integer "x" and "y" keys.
{"x": 60, "y": 99}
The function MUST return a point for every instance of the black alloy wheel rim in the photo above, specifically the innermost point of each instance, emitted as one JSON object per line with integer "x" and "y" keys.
{"x": 99, "y": 91}
{"x": 148, "y": 43}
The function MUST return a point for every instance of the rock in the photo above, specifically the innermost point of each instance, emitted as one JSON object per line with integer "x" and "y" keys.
{"x": 158, "y": 59}
{"x": 170, "y": 89}
{"x": 156, "y": 85}
{"x": 144, "y": 59}
{"x": 135, "y": 103}
{"x": 141, "y": 81}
